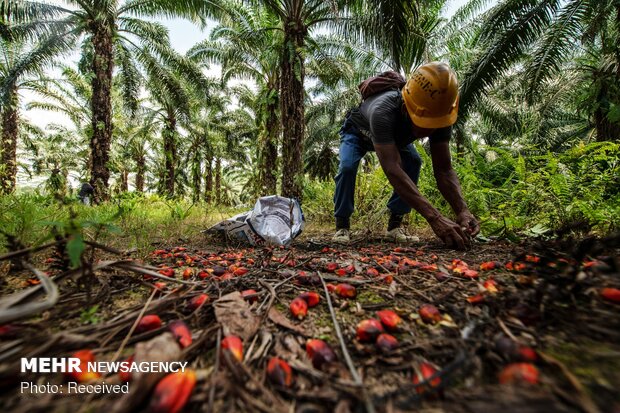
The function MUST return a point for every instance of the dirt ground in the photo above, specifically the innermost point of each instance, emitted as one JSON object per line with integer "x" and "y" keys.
{"x": 536, "y": 322}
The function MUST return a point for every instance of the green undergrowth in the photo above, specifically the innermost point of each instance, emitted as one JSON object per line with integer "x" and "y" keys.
{"x": 128, "y": 222}
{"x": 512, "y": 192}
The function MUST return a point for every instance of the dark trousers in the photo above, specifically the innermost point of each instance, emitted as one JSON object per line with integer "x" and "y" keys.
{"x": 352, "y": 150}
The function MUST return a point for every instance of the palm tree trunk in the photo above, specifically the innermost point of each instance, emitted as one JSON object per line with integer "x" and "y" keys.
{"x": 209, "y": 181}
{"x": 268, "y": 155}
{"x": 196, "y": 180}
{"x": 8, "y": 166}
{"x": 292, "y": 105}
{"x": 124, "y": 181}
{"x": 140, "y": 172}
{"x": 170, "y": 154}
{"x": 101, "y": 105}
{"x": 605, "y": 130}
{"x": 459, "y": 133}
{"x": 218, "y": 181}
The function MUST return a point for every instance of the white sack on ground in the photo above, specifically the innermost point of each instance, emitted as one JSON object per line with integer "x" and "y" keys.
{"x": 275, "y": 220}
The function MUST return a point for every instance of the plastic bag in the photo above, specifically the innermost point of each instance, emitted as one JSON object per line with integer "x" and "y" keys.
{"x": 275, "y": 220}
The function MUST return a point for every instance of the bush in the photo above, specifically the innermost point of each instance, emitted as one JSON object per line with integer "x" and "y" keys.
{"x": 510, "y": 193}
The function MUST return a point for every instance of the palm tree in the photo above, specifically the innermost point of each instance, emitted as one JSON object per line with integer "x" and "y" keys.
{"x": 340, "y": 66}
{"x": 57, "y": 154}
{"x": 112, "y": 33}
{"x": 296, "y": 19}
{"x": 543, "y": 36}
{"x": 12, "y": 51}
{"x": 175, "y": 86}
{"x": 248, "y": 50}
{"x": 553, "y": 123}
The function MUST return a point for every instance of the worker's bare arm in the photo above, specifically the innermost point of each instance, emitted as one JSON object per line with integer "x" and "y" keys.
{"x": 450, "y": 187}
{"x": 445, "y": 229}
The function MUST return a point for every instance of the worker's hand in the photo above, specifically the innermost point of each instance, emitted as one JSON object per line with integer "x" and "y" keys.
{"x": 466, "y": 220}
{"x": 450, "y": 233}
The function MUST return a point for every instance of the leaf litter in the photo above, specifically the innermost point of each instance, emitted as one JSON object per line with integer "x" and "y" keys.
{"x": 481, "y": 330}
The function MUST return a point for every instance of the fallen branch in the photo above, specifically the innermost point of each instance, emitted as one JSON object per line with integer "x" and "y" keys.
{"x": 25, "y": 251}
{"x": 370, "y": 408}
{"x": 9, "y": 315}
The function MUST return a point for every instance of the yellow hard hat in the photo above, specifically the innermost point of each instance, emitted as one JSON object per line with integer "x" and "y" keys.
{"x": 432, "y": 96}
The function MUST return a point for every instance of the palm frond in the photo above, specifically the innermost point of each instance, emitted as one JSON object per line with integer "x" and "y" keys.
{"x": 556, "y": 46}
{"x": 517, "y": 27}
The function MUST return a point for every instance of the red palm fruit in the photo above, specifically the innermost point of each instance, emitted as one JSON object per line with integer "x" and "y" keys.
{"x": 311, "y": 298}
{"x": 491, "y": 286}
{"x": 341, "y": 272}
{"x": 188, "y": 273}
{"x": 506, "y": 347}
{"x": 519, "y": 373}
{"x": 305, "y": 279}
{"x": 331, "y": 266}
{"x": 148, "y": 323}
{"x": 234, "y": 346}
{"x": 299, "y": 308}
{"x": 611, "y": 294}
{"x": 386, "y": 343}
{"x": 430, "y": 267}
{"x": 532, "y": 258}
{"x": 387, "y": 278}
{"x": 218, "y": 270}
{"x": 346, "y": 291}
{"x": 83, "y": 376}
{"x": 203, "y": 274}
{"x": 181, "y": 332}
{"x": 225, "y": 276}
{"x": 350, "y": 269}
{"x": 429, "y": 314}
{"x": 7, "y": 330}
{"x": 372, "y": 272}
{"x": 368, "y": 330}
{"x": 160, "y": 252}
{"x": 331, "y": 287}
{"x": 509, "y": 266}
{"x": 250, "y": 295}
{"x": 440, "y": 276}
{"x": 470, "y": 274}
{"x": 423, "y": 372}
{"x": 320, "y": 353}
{"x": 527, "y": 354}
{"x": 520, "y": 266}
{"x": 160, "y": 286}
{"x": 241, "y": 271}
{"x": 490, "y": 265}
{"x": 476, "y": 299}
{"x": 168, "y": 272}
{"x": 389, "y": 319}
{"x": 279, "y": 372}
{"x": 197, "y": 301}
{"x": 172, "y": 392}
{"x": 125, "y": 376}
